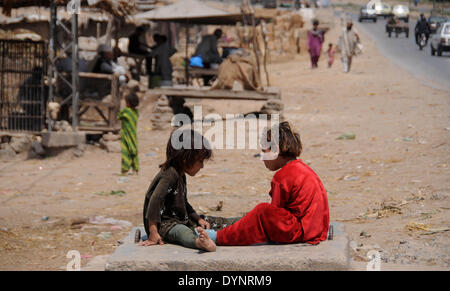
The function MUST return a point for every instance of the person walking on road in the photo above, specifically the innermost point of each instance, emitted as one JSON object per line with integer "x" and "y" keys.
{"x": 347, "y": 44}
{"x": 315, "y": 41}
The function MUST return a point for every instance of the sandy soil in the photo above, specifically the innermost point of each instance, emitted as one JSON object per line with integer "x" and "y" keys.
{"x": 393, "y": 173}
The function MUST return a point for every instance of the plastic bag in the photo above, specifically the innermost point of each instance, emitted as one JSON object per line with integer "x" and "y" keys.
{"x": 196, "y": 61}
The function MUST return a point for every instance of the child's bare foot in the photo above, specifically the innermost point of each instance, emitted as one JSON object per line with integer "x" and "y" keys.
{"x": 204, "y": 242}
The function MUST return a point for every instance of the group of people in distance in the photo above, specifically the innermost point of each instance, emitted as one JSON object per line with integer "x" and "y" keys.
{"x": 162, "y": 51}
{"x": 347, "y": 45}
{"x": 161, "y": 73}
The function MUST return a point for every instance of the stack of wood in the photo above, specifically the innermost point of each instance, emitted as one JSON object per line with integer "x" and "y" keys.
{"x": 283, "y": 35}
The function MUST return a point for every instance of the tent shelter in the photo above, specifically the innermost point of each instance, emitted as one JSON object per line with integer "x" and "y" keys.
{"x": 120, "y": 9}
{"x": 190, "y": 12}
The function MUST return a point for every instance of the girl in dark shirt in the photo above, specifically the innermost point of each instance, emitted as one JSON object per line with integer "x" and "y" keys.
{"x": 167, "y": 214}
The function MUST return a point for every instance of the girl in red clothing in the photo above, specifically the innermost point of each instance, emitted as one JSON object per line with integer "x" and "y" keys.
{"x": 299, "y": 208}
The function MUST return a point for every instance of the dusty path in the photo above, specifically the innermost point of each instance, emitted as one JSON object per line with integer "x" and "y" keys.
{"x": 395, "y": 172}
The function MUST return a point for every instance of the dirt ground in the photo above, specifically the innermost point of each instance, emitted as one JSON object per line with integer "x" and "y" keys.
{"x": 389, "y": 186}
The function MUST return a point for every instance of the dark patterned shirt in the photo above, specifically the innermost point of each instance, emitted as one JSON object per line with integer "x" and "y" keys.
{"x": 166, "y": 202}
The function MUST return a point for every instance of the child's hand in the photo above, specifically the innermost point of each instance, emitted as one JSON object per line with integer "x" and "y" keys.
{"x": 204, "y": 224}
{"x": 154, "y": 239}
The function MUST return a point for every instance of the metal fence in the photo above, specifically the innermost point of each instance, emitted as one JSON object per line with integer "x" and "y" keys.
{"x": 23, "y": 93}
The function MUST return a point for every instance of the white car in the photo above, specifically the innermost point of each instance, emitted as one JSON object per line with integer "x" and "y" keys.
{"x": 440, "y": 41}
{"x": 381, "y": 9}
{"x": 401, "y": 12}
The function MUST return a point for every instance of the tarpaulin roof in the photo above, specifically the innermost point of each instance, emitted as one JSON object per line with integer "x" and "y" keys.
{"x": 119, "y": 8}
{"x": 191, "y": 11}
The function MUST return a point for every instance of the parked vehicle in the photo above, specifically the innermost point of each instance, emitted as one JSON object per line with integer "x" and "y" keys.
{"x": 397, "y": 26}
{"x": 401, "y": 12}
{"x": 440, "y": 41}
{"x": 435, "y": 22}
{"x": 367, "y": 13}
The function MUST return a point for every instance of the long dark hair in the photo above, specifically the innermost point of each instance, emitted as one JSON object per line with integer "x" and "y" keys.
{"x": 184, "y": 148}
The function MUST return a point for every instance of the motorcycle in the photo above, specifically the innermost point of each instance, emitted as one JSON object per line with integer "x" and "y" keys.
{"x": 422, "y": 41}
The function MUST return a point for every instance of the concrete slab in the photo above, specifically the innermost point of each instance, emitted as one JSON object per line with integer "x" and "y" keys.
{"x": 63, "y": 139}
{"x": 328, "y": 255}
{"x": 96, "y": 263}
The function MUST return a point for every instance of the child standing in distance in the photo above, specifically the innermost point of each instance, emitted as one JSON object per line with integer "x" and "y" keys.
{"x": 331, "y": 52}
{"x": 128, "y": 134}
{"x": 299, "y": 208}
{"x": 167, "y": 213}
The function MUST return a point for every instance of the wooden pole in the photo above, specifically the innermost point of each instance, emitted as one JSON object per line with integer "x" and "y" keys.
{"x": 99, "y": 26}
{"x": 255, "y": 45}
{"x": 187, "y": 54}
{"x": 246, "y": 6}
{"x": 108, "y": 31}
{"x": 75, "y": 77}
{"x": 266, "y": 51}
{"x": 52, "y": 51}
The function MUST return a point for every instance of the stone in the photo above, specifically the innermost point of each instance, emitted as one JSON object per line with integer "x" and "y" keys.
{"x": 111, "y": 137}
{"x": 78, "y": 151}
{"x": 62, "y": 125}
{"x": 111, "y": 146}
{"x": 114, "y": 147}
{"x": 273, "y": 104}
{"x": 63, "y": 139}
{"x": 96, "y": 263}
{"x": 160, "y": 126}
{"x": 163, "y": 109}
{"x": 20, "y": 143}
{"x": 160, "y": 117}
{"x": 6, "y": 152}
{"x": 328, "y": 255}
{"x": 53, "y": 109}
{"x": 162, "y": 101}
{"x": 5, "y": 138}
{"x": 4, "y": 146}
{"x": 133, "y": 86}
{"x": 37, "y": 147}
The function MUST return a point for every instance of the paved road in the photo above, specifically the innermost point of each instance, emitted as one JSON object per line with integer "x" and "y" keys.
{"x": 432, "y": 70}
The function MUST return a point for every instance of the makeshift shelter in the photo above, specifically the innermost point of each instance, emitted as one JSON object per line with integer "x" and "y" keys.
{"x": 119, "y": 9}
{"x": 190, "y": 12}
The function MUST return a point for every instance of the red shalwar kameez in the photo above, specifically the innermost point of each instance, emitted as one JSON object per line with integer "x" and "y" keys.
{"x": 298, "y": 212}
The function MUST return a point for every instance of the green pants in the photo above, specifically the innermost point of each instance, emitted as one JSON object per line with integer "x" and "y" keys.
{"x": 185, "y": 236}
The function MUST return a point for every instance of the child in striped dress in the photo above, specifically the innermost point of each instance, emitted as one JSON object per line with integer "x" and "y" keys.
{"x": 128, "y": 134}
